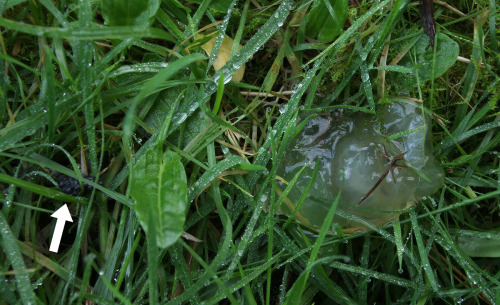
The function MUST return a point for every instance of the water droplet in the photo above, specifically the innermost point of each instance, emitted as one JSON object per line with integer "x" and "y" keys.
{"x": 181, "y": 117}
{"x": 284, "y": 109}
{"x": 365, "y": 77}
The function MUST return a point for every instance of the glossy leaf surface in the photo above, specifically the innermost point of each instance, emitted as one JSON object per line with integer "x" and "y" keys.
{"x": 427, "y": 64}
{"x": 159, "y": 185}
{"x": 326, "y": 19}
{"x": 129, "y": 12}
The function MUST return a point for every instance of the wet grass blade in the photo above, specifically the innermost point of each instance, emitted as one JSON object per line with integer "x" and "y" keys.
{"x": 38, "y": 189}
{"x": 423, "y": 252}
{"x": 15, "y": 258}
{"x": 98, "y": 33}
{"x": 295, "y": 293}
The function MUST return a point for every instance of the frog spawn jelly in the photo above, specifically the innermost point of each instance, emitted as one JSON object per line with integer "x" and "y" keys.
{"x": 354, "y": 153}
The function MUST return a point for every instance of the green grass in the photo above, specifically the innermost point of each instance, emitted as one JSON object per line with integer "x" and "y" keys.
{"x": 87, "y": 99}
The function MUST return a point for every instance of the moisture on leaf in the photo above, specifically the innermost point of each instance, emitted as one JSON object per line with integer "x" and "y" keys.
{"x": 326, "y": 19}
{"x": 223, "y": 55}
{"x": 159, "y": 184}
{"x": 428, "y": 63}
{"x": 129, "y": 12}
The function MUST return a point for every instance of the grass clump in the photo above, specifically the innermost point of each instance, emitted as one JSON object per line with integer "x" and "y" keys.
{"x": 86, "y": 92}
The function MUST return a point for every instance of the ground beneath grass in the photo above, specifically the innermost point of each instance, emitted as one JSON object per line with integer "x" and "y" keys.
{"x": 162, "y": 124}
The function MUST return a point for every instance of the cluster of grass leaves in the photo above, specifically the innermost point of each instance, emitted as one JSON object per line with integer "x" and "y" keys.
{"x": 85, "y": 95}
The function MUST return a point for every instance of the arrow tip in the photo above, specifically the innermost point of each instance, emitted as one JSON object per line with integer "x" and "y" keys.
{"x": 63, "y": 213}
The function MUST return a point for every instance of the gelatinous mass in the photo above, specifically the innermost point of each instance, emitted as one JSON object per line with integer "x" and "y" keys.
{"x": 355, "y": 150}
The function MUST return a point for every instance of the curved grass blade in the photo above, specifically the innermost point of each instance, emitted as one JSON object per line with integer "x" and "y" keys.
{"x": 97, "y": 33}
{"x": 151, "y": 86}
{"x": 38, "y": 189}
{"x": 13, "y": 254}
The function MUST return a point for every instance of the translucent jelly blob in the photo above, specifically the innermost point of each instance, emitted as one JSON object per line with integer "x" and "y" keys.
{"x": 354, "y": 151}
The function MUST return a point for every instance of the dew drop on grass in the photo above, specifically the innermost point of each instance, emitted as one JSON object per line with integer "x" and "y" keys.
{"x": 365, "y": 77}
{"x": 193, "y": 107}
{"x": 283, "y": 109}
{"x": 181, "y": 117}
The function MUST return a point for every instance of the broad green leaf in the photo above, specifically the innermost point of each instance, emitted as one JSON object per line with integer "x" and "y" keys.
{"x": 159, "y": 184}
{"x": 421, "y": 59}
{"x": 129, "y": 12}
{"x": 326, "y": 19}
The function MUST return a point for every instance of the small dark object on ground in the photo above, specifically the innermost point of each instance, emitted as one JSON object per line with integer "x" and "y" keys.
{"x": 71, "y": 185}
{"x": 427, "y": 17}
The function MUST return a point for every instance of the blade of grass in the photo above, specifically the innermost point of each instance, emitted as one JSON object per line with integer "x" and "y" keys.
{"x": 220, "y": 36}
{"x": 151, "y": 86}
{"x": 220, "y": 92}
{"x": 15, "y": 258}
{"x": 399, "y": 243}
{"x": 181, "y": 268}
{"x": 38, "y": 189}
{"x": 423, "y": 253}
{"x": 95, "y": 33}
{"x": 295, "y": 293}
{"x": 226, "y": 241}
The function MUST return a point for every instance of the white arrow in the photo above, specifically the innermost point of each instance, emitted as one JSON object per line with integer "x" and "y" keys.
{"x": 62, "y": 216}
